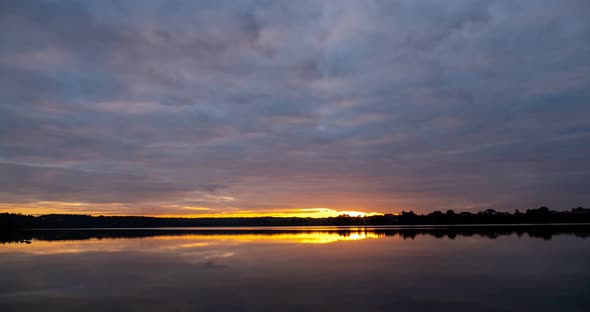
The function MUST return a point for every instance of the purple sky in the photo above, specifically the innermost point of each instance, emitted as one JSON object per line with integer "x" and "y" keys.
{"x": 241, "y": 107}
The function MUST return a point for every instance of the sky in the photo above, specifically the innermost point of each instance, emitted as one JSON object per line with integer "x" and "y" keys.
{"x": 293, "y": 108}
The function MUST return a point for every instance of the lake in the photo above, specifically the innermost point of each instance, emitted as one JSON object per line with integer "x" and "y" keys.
{"x": 497, "y": 268}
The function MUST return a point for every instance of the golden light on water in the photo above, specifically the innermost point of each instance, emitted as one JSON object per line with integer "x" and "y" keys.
{"x": 295, "y": 237}
{"x": 183, "y": 242}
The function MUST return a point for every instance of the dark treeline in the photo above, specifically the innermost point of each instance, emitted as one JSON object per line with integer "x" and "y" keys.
{"x": 544, "y": 231}
{"x": 10, "y": 222}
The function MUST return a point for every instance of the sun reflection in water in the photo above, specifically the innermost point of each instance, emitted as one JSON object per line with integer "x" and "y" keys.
{"x": 184, "y": 241}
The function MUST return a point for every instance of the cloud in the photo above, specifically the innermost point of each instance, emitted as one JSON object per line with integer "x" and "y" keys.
{"x": 371, "y": 106}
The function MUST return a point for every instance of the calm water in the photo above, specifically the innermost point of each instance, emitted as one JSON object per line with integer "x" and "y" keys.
{"x": 282, "y": 269}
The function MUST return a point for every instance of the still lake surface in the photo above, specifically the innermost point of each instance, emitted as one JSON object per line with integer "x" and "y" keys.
{"x": 528, "y": 268}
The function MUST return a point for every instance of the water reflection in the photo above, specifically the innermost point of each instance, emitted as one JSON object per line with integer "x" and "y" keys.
{"x": 55, "y": 242}
{"x": 541, "y": 268}
{"x": 308, "y": 235}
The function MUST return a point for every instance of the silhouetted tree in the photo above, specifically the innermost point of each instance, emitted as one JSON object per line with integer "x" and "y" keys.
{"x": 11, "y": 222}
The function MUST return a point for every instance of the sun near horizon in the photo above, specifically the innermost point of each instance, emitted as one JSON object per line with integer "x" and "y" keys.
{"x": 44, "y": 208}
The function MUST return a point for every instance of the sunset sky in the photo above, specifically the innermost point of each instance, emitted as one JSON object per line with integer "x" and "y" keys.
{"x": 306, "y": 108}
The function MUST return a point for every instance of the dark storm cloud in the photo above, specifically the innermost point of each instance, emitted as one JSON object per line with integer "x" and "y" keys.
{"x": 374, "y": 105}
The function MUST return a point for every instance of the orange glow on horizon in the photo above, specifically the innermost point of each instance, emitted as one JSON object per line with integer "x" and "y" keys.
{"x": 118, "y": 209}
{"x": 301, "y": 213}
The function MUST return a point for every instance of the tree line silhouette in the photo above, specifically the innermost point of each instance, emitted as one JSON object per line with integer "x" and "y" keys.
{"x": 543, "y": 231}
{"x": 11, "y": 221}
